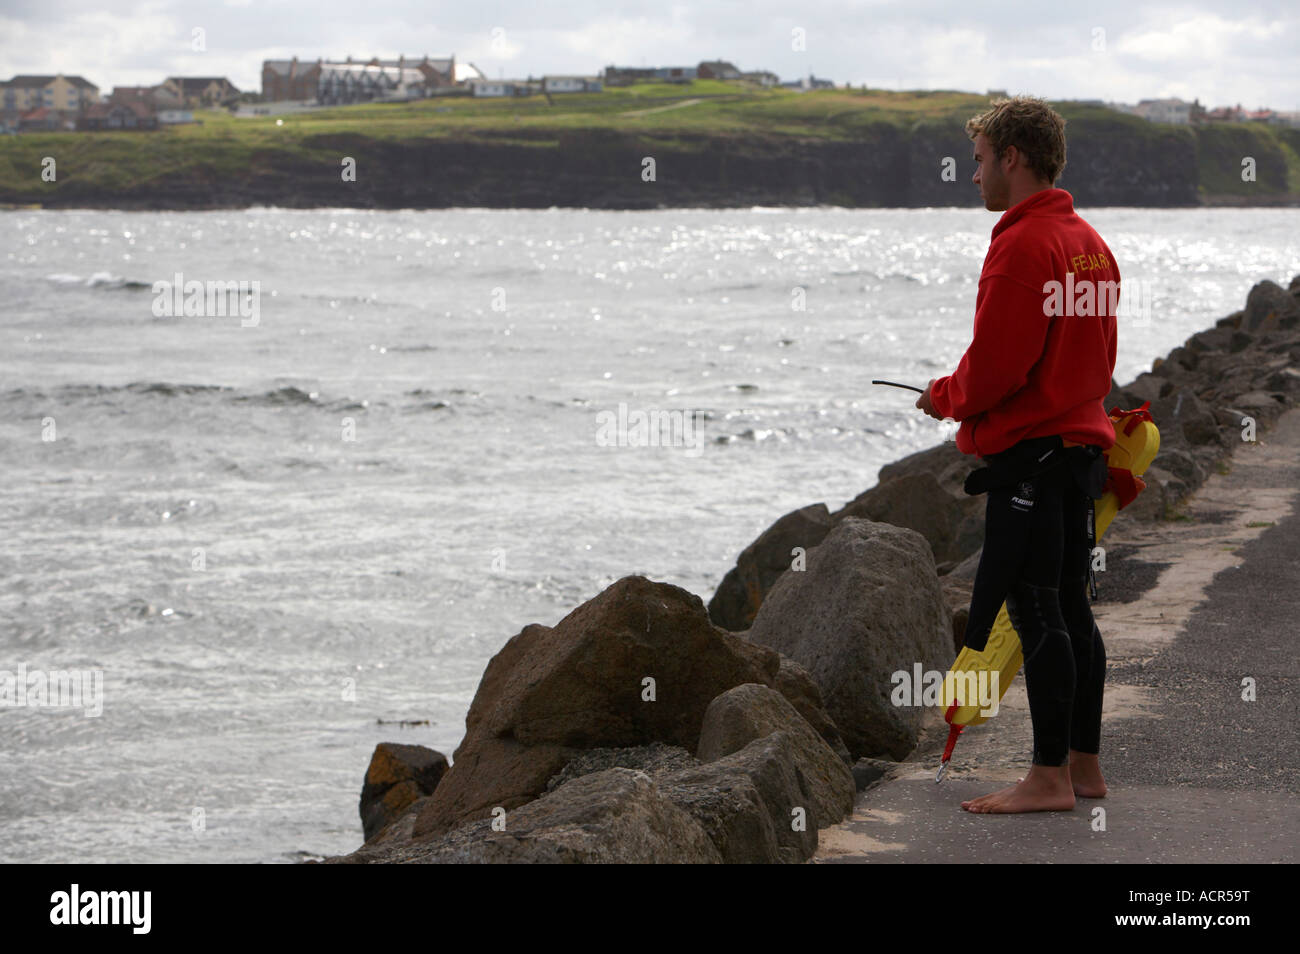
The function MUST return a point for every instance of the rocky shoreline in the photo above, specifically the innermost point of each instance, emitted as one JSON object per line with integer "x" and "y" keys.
{"x": 645, "y": 727}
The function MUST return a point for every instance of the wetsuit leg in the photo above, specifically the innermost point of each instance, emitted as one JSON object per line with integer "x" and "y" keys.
{"x": 1033, "y": 604}
{"x": 1085, "y": 638}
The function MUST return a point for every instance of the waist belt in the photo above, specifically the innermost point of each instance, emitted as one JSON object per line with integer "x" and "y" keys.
{"x": 1034, "y": 456}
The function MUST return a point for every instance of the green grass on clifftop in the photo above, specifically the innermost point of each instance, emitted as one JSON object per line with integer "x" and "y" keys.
{"x": 222, "y": 145}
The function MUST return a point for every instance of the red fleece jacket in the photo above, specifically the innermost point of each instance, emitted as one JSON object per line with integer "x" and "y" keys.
{"x": 1042, "y": 355}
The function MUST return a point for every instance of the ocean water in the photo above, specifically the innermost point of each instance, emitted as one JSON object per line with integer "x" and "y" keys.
{"x": 270, "y": 537}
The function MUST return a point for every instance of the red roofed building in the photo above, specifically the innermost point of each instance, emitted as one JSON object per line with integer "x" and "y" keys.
{"x": 41, "y": 119}
{"x": 128, "y": 115}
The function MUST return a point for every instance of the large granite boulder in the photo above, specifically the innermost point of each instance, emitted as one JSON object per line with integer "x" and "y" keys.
{"x": 1211, "y": 339}
{"x": 967, "y": 568}
{"x": 801, "y": 690}
{"x": 1145, "y": 387}
{"x": 741, "y": 715}
{"x": 867, "y": 606}
{"x": 615, "y": 816}
{"x": 1270, "y": 307}
{"x": 653, "y": 759}
{"x": 1184, "y": 419}
{"x": 957, "y": 589}
{"x": 767, "y": 795}
{"x": 639, "y": 663}
{"x": 762, "y": 562}
{"x": 744, "y": 800}
{"x": 952, "y": 525}
{"x": 923, "y": 491}
{"x": 944, "y": 462}
{"x": 1162, "y": 490}
{"x": 397, "y": 776}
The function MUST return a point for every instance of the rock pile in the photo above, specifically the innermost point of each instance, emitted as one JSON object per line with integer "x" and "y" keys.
{"x": 1216, "y": 389}
{"x": 643, "y": 728}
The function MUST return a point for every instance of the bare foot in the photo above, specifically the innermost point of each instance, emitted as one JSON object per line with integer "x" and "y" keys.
{"x": 1085, "y": 775}
{"x": 984, "y": 799}
{"x": 1044, "y": 789}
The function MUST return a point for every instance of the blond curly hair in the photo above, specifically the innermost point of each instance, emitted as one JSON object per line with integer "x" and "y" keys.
{"x": 1029, "y": 124}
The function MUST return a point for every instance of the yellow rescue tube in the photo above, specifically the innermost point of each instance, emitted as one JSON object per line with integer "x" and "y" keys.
{"x": 1136, "y": 442}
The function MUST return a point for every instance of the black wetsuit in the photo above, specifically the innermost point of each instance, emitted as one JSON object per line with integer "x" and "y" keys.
{"x": 1038, "y": 542}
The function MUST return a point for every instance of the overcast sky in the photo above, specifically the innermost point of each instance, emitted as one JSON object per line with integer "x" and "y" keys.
{"x": 1220, "y": 51}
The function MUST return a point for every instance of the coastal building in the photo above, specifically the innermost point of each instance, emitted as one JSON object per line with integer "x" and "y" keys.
{"x": 1236, "y": 114}
{"x": 190, "y": 92}
{"x": 484, "y": 87}
{"x": 677, "y": 74}
{"x": 133, "y": 115}
{"x": 1164, "y": 110}
{"x": 144, "y": 100}
{"x": 1226, "y": 114}
{"x": 627, "y": 75}
{"x": 286, "y": 80}
{"x": 437, "y": 72}
{"x": 293, "y": 80}
{"x": 343, "y": 84}
{"x": 725, "y": 70}
{"x": 58, "y": 92}
{"x": 808, "y": 82}
{"x": 122, "y": 95}
{"x": 63, "y": 98}
{"x": 43, "y": 119}
{"x": 571, "y": 84}
{"x": 717, "y": 69}
{"x": 466, "y": 72}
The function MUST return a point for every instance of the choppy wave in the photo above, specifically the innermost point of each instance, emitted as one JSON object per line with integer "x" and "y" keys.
{"x": 282, "y": 396}
{"x": 105, "y": 281}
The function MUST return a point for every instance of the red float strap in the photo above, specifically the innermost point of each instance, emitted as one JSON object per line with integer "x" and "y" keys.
{"x": 1134, "y": 416}
{"x": 1125, "y": 484}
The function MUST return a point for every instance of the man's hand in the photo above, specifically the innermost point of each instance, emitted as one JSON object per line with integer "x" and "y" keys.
{"x": 923, "y": 402}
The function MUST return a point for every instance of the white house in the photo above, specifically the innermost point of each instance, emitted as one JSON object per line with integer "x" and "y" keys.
{"x": 502, "y": 87}
{"x": 808, "y": 82}
{"x": 570, "y": 84}
{"x": 490, "y": 87}
{"x": 1164, "y": 110}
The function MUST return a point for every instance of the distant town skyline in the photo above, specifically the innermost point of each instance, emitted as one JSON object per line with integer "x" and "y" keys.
{"x": 1220, "y": 52}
